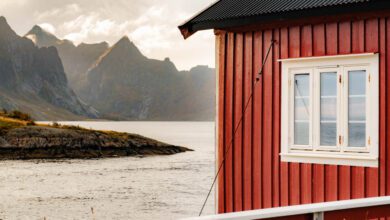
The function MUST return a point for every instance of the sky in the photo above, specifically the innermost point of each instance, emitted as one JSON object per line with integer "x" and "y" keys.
{"x": 150, "y": 24}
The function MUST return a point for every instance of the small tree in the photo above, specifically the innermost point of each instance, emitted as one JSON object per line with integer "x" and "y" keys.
{"x": 20, "y": 115}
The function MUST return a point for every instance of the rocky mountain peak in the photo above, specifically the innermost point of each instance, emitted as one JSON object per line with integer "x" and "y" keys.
{"x": 125, "y": 43}
{"x": 124, "y": 39}
{"x": 41, "y": 37}
{"x": 125, "y": 48}
{"x": 6, "y": 30}
{"x": 3, "y": 19}
{"x": 36, "y": 29}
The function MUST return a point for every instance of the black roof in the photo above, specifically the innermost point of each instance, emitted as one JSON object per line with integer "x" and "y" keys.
{"x": 230, "y": 13}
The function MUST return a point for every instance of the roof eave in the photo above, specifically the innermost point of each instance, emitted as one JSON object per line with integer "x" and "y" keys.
{"x": 185, "y": 32}
{"x": 189, "y": 28}
{"x": 184, "y": 28}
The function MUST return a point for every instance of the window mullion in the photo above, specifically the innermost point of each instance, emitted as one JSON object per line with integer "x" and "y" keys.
{"x": 368, "y": 109}
{"x": 315, "y": 115}
{"x": 342, "y": 120}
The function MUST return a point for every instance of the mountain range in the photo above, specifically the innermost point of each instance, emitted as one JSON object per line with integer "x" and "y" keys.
{"x": 76, "y": 59}
{"x": 99, "y": 81}
{"x": 33, "y": 80}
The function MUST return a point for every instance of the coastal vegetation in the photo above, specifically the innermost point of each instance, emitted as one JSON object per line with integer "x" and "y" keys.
{"x": 22, "y": 138}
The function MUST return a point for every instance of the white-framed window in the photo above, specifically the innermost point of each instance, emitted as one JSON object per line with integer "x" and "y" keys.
{"x": 330, "y": 110}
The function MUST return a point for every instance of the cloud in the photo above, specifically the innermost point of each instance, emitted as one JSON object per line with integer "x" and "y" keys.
{"x": 150, "y": 15}
{"x": 92, "y": 27}
{"x": 7, "y": 3}
{"x": 67, "y": 10}
{"x": 151, "y": 32}
{"x": 150, "y": 24}
{"x": 149, "y": 38}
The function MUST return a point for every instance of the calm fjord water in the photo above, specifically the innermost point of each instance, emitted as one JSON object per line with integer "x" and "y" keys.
{"x": 158, "y": 187}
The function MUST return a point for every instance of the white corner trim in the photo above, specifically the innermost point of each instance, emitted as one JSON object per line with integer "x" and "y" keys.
{"x": 216, "y": 123}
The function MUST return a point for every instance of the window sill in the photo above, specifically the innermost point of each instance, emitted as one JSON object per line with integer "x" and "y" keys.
{"x": 335, "y": 159}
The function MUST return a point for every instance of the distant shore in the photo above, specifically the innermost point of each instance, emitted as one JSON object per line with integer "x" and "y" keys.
{"x": 23, "y": 139}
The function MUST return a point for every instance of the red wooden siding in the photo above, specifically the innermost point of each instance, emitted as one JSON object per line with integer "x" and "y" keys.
{"x": 247, "y": 123}
{"x": 229, "y": 95}
{"x": 257, "y": 123}
{"x": 238, "y": 95}
{"x": 221, "y": 40}
{"x": 253, "y": 176}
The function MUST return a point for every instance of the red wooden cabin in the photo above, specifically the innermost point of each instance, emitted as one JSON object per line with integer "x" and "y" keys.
{"x": 316, "y": 126}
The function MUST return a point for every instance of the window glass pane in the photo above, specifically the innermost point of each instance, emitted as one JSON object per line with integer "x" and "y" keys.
{"x": 357, "y": 82}
{"x": 328, "y": 135}
{"x": 357, "y": 134}
{"x": 328, "y": 110}
{"x": 357, "y": 108}
{"x": 301, "y": 109}
{"x": 301, "y": 134}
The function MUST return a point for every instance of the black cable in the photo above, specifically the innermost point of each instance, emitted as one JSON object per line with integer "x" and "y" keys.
{"x": 236, "y": 129}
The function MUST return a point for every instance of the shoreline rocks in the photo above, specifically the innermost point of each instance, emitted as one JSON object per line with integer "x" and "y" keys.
{"x": 70, "y": 142}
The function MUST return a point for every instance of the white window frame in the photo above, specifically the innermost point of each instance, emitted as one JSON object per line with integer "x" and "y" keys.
{"x": 341, "y": 154}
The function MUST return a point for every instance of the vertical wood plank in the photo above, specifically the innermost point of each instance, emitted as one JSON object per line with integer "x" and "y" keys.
{"x": 268, "y": 123}
{"x": 221, "y": 38}
{"x": 319, "y": 40}
{"x": 358, "y": 36}
{"x": 357, "y": 173}
{"x": 238, "y": 79}
{"x": 319, "y": 45}
{"x": 306, "y": 177}
{"x": 345, "y": 40}
{"x": 372, "y": 40}
{"x": 228, "y": 122}
{"x": 383, "y": 107}
{"x": 387, "y": 67}
{"x": 257, "y": 121}
{"x": 284, "y": 167}
{"x": 295, "y": 170}
{"x": 294, "y": 42}
{"x": 332, "y": 39}
{"x": 247, "y": 123}
{"x": 306, "y": 39}
{"x": 276, "y": 120}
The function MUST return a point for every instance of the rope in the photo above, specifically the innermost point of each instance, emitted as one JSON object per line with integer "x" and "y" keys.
{"x": 236, "y": 129}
